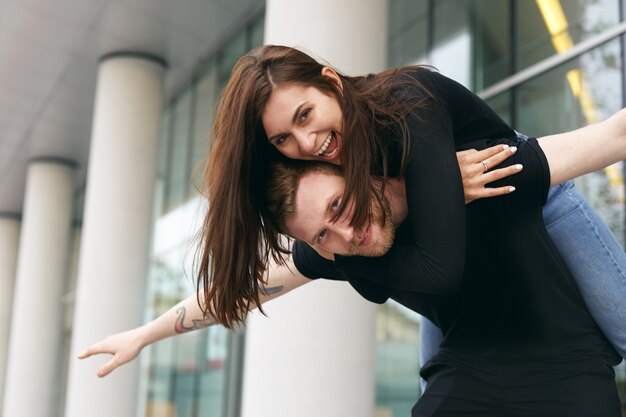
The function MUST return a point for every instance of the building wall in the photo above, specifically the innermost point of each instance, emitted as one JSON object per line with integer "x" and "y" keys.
{"x": 480, "y": 43}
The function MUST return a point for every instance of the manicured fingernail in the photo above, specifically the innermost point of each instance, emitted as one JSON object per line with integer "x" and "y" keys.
{"x": 513, "y": 149}
{"x": 519, "y": 167}
{"x": 511, "y": 189}
{"x": 505, "y": 147}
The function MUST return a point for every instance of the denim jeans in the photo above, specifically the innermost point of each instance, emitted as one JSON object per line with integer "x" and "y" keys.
{"x": 594, "y": 257}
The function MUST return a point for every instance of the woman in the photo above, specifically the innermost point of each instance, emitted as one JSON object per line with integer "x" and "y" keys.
{"x": 363, "y": 128}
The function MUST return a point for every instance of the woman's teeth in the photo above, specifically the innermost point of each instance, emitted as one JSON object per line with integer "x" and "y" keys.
{"x": 326, "y": 144}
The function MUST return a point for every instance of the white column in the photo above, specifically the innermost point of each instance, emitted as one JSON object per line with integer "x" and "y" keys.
{"x": 9, "y": 241}
{"x": 315, "y": 354}
{"x": 32, "y": 367}
{"x": 116, "y": 228}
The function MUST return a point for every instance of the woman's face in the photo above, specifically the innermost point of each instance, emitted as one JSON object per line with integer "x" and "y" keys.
{"x": 304, "y": 123}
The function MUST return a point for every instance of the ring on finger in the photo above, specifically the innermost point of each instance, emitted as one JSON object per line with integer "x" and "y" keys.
{"x": 484, "y": 166}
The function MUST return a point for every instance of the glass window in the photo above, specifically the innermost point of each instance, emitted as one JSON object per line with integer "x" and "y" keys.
{"x": 257, "y": 34}
{"x": 472, "y": 41}
{"x": 580, "y": 92}
{"x": 163, "y": 161}
{"x": 408, "y": 32}
{"x": 205, "y": 106}
{"x": 231, "y": 53}
{"x": 546, "y": 27}
{"x": 397, "y": 360}
{"x": 187, "y": 372}
{"x": 501, "y": 104}
{"x": 178, "y": 152}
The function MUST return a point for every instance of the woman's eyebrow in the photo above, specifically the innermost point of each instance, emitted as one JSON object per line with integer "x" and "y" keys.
{"x": 295, "y": 114}
{"x": 293, "y": 121}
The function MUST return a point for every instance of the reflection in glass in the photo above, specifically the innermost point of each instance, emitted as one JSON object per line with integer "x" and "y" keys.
{"x": 397, "y": 360}
{"x": 547, "y": 27}
{"x": 176, "y": 185}
{"x": 205, "y": 106}
{"x": 407, "y": 32}
{"x": 186, "y": 373}
{"x": 229, "y": 55}
{"x": 470, "y": 45}
{"x": 501, "y": 104}
{"x": 580, "y": 92}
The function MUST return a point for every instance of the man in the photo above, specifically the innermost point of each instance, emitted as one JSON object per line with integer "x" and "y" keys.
{"x": 518, "y": 335}
{"x": 517, "y": 332}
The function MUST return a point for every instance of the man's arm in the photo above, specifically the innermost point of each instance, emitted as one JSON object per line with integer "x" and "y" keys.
{"x": 184, "y": 317}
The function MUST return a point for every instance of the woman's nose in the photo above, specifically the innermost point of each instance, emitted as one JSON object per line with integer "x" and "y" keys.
{"x": 306, "y": 142}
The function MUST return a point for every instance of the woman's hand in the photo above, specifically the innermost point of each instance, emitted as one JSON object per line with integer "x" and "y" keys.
{"x": 123, "y": 346}
{"x": 476, "y": 170}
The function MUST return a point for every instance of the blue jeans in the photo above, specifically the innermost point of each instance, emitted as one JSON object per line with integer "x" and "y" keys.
{"x": 594, "y": 257}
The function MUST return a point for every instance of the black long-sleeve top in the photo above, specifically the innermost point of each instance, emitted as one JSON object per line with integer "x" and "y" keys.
{"x": 493, "y": 282}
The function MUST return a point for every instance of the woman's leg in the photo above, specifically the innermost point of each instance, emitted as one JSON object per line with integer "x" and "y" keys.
{"x": 593, "y": 256}
{"x": 430, "y": 339}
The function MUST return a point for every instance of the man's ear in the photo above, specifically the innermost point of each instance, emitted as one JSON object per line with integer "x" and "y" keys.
{"x": 332, "y": 74}
{"x": 325, "y": 254}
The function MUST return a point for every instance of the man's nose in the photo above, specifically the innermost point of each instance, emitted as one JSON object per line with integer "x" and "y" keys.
{"x": 344, "y": 231}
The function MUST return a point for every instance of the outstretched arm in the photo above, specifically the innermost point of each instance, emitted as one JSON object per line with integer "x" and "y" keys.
{"x": 184, "y": 317}
{"x": 585, "y": 150}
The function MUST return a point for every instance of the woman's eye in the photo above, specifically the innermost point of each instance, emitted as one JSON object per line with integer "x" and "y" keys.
{"x": 336, "y": 203}
{"x": 280, "y": 140}
{"x": 305, "y": 114}
{"x": 321, "y": 235}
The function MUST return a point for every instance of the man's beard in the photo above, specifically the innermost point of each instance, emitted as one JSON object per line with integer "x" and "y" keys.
{"x": 383, "y": 239}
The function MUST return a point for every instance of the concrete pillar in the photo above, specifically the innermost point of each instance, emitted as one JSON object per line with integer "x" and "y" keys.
{"x": 116, "y": 228}
{"x": 318, "y": 344}
{"x": 9, "y": 241}
{"x": 31, "y": 385}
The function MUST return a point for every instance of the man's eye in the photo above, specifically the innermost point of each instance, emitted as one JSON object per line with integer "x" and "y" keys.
{"x": 321, "y": 235}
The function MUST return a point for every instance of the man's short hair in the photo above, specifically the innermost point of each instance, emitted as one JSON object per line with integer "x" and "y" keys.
{"x": 282, "y": 185}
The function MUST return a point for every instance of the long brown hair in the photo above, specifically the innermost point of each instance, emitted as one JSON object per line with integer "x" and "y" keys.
{"x": 238, "y": 239}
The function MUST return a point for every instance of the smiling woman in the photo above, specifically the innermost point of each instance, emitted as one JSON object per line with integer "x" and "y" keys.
{"x": 403, "y": 122}
{"x": 291, "y": 106}
{"x": 314, "y": 130}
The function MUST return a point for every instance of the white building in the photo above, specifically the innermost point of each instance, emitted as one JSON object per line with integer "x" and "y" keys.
{"x": 106, "y": 108}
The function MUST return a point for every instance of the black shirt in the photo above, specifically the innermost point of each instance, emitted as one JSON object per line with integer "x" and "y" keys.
{"x": 493, "y": 282}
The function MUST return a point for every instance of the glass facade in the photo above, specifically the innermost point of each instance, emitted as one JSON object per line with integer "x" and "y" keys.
{"x": 481, "y": 43}
{"x": 188, "y": 376}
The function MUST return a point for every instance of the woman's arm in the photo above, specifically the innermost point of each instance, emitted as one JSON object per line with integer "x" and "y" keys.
{"x": 585, "y": 150}
{"x": 434, "y": 260}
{"x": 184, "y": 317}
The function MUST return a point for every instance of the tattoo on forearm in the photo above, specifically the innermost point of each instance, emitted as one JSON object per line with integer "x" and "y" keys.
{"x": 272, "y": 290}
{"x": 180, "y": 327}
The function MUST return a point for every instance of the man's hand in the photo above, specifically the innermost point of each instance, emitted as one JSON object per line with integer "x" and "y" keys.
{"x": 476, "y": 170}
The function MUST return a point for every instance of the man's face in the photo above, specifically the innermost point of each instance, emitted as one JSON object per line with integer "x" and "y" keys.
{"x": 317, "y": 199}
